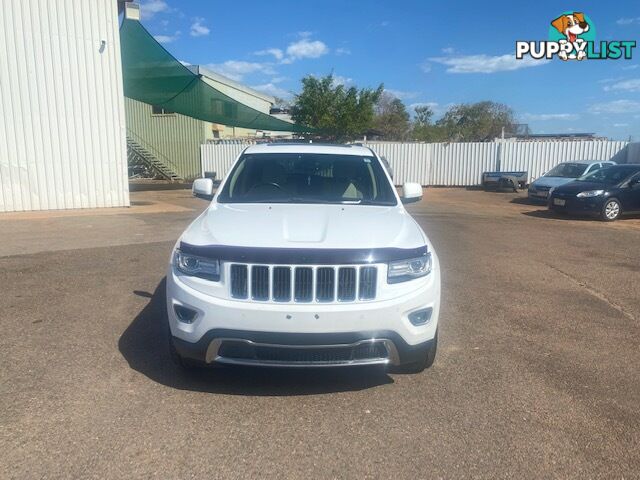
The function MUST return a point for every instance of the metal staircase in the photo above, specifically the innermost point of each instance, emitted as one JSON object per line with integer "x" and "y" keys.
{"x": 140, "y": 153}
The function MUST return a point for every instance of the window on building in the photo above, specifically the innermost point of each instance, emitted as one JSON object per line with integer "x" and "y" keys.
{"x": 158, "y": 110}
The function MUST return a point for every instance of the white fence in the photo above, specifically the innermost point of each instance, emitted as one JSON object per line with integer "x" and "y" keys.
{"x": 454, "y": 164}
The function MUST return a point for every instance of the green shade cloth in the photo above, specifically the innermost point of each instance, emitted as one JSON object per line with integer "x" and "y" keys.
{"x": 152, "y": 75}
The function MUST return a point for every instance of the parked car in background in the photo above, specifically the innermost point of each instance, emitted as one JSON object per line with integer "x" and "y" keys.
{"x": 306, "y": 257}
{"x": 563, "y": 173}
{"x": 608, "y": 193}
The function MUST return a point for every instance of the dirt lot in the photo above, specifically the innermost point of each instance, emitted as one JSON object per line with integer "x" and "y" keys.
{"x": 537, "y": 373}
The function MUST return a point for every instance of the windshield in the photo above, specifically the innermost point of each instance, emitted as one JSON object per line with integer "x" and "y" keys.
{"x": 567, "y": 170}
{"x": 609, "y": 175}
{"x": 307, "y": 178}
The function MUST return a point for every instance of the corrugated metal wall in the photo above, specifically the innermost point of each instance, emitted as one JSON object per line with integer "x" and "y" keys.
{"x": 219, "y": 157}
{"x": 62, "y": 125}
{"x": 455, "y": 164}
{"x": 174, "y": 139}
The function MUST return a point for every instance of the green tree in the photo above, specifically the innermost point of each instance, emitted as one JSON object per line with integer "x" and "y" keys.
{"x": 423, "y": 116}
{"x": 391, "y": 117}
{"x": 424, "y": 129}
{"x": 476, "y": 122}
{"x": 335, "y": 111}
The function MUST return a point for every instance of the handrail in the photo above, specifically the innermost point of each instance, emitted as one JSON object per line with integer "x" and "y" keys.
{"x": 162, "y": 157}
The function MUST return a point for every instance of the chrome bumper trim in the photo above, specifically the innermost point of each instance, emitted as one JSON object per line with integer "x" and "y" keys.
{"x": 393, "y": 357}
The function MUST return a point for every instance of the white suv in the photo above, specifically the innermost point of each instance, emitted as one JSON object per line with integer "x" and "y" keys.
{"x": 306, "y": 257}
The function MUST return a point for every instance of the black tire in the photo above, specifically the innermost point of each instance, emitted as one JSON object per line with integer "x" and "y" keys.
{"x": 428, "y": 356}
{"x": 611, "y": 210}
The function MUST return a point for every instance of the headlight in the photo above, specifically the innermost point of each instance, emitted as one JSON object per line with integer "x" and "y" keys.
{"x": 404, "y": 270}
{"x": 197, "y": 266}
{"x": 590, "y": 193}
{"x": 551, "y": 190}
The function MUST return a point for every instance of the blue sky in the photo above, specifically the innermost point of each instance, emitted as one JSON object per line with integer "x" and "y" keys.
{"x": 433, "y": 52}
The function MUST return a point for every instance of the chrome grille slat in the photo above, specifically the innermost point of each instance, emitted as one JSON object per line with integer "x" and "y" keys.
{"x": 260, "y": 282}
{"x": 303, "y": 284}
{"x": 368, "y": 281}
{"x": 281, "y": 284}
{"x": 346, "y": 284}
{"x": 325, "y": 278}
{"x": 239, "y": 281}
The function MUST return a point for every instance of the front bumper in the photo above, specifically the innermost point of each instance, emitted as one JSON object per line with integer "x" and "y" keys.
{"x": 578, "y": 206}
{"x": 337, "y": 332}
{"x": 537, "y": 195}
{"x": 301, "y": 350}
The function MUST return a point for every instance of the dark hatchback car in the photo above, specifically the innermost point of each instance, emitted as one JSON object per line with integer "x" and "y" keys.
{"x": 607, "y": 193}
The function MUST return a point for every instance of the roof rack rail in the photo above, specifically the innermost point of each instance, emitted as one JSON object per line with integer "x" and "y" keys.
{"x": 322, "y": 144}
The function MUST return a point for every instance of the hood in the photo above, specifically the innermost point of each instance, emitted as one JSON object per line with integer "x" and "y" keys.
{"x": 551, "y": 182}
{"x": 305, "y": 226}
{"x": 577, "y": 187}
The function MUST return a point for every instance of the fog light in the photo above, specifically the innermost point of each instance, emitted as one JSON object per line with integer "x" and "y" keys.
{"x": 420, "y": 317}
{"x": 185, "y": 314}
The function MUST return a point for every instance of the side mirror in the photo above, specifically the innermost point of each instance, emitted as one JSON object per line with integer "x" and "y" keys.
{"x": 411, "y": 192}
{"x": 202, "y": 188}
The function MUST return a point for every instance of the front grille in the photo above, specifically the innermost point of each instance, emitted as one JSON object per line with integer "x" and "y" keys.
{"x": 303, "y": 284}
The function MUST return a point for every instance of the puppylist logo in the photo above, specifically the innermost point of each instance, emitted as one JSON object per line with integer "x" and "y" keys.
{"x": 572, "y": 36}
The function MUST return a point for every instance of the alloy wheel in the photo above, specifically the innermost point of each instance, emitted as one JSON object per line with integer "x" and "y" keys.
{"x": 612, "y": 210}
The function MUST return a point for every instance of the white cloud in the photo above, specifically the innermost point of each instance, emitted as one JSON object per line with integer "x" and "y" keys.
{"x": 620, "y": 125}
{"x": 167, "y": 38}
{"x": 304, "y": 34}
{"x": 486, "y": 63}
{"x": 437, "y": 109}
{"x": 276, "y": 52}
{"x": 630, "y": 67}
{"x": 340, "y": 80}
{"x": 448, "y": 50}
{"x": 343, "y": 51}
{"x": 616, "y": 106}
{"x": 306, "y": 48}
{"x": 237, "y": 69}
{"x": 533, "y": 117}
{"x": 149, "y": 8}
{"x": 632, "y": 85}
{"x": 198, "y": 29}
{"x": 628, "y": 21}
{"x": 425, "y": 67}
{"x": 385, "y": 23}
{"x": 401, "y": 94}
{"x": 273, "y": 90}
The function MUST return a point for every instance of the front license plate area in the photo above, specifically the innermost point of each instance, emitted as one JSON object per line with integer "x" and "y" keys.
{"x": 559, "y": 201}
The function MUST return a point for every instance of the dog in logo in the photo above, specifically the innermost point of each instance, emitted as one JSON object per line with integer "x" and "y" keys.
{"x": 571, "y": 25}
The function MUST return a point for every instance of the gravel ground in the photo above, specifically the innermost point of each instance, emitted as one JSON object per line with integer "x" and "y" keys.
{"x": 536, "y": 376}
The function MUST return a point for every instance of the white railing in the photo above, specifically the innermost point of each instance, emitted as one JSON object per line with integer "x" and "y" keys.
{"x": 455, "y": 164}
